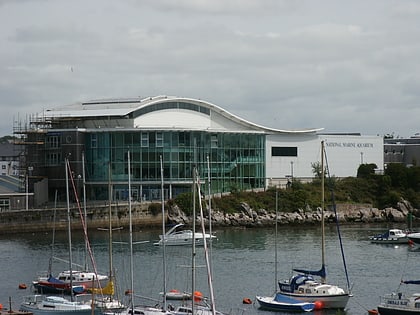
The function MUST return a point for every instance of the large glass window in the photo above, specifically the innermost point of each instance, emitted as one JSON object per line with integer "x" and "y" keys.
{"x": 236, "y": 160}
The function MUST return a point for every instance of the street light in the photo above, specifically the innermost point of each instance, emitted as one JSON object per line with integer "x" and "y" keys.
{"x": 291, "y": 169}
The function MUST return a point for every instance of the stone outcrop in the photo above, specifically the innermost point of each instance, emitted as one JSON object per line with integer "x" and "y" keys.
{"x": 347, "y": 213}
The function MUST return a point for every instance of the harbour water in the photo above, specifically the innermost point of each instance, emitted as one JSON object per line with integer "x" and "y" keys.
{"x": 243, "y": 263}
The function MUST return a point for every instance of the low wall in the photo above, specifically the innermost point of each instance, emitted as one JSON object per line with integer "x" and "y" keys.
{"x": 43, "y": 219}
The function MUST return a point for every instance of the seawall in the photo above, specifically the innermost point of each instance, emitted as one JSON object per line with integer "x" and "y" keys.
{"x": 38, "y": 220}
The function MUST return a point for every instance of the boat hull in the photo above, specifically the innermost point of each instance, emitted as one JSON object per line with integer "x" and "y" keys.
{"x": 401, "y": 240}
{"x": 283, "y": 303}
{"x": 54, "y": 305}
{"x": 415, "y": 238}
{"x": 392, "y": 311}
{"x": 398, "y": 304}
{"x": 338, "y": 301}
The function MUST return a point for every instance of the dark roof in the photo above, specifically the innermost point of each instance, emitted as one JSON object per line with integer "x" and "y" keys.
{"x": 10, "y": 149}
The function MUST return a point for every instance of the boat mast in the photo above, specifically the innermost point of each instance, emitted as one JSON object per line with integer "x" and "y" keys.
{"x": 84, "y": 209}
{"x": 275, "y": 243}
{"x": 111, "y": 267}
{"x": 206, "y": 251}
{"x": 193, "y": 245}
{"x": 131, "y": 235}
{"x": 163, "y": 233}
{"x": 69, "y": 228}
{"x": 323, "y": 278}
{"x": 210, "y": 210}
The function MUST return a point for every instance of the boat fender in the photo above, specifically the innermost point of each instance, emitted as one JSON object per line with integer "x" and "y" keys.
{"x": 246, "y": 301}
{"x": 318, "y": 305}
{"x": 198, "y": 296}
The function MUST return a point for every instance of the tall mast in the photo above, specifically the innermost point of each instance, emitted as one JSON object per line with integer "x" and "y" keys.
{"x": 323, "y": 279}
{"x": 163, "y": 233}
{"x": 84, "y": 209}
{"x": 69, "y": 228}
{"x": 111, "y": 267}
{"x": 131, "y": 234}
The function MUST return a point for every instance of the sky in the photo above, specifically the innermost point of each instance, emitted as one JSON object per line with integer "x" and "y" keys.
{"x": 345, "y": 66}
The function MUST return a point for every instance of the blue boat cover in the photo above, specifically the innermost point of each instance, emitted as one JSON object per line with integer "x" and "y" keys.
{"x": 321, "y": 273}
{"x": 411, "y": 282}
{"x": 52, "y": 279}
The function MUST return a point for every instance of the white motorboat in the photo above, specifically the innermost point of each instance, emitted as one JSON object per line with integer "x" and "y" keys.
{"x": 399, "y": 304}
{"x": 414, "y": 238}
{"x": 179, "y": 236}
{"x": 392, "y": 236}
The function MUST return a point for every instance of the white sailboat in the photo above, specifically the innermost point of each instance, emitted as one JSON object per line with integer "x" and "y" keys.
{"x": 278, "y": 301}
{"x": 80, "y": 279}
{"x": 55, "y": 305}
{"x": 106, "y": 298}
{"x": 302, "y": 286}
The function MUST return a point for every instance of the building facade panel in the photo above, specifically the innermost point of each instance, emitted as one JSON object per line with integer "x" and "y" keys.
{"x": 184, "y": 133}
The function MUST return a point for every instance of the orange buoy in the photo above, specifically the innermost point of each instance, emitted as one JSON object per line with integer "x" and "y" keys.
{"x": 1, "y": 306}
{"x": 174, "y": 291}
{"x": 198, "y": 296}
{"x": 373, "y": 312}
{"x": 22, "y": 286}
{"x": 246, "y": 301}
{"x": 319, "y": 305}
{"x": 128, "y": 292}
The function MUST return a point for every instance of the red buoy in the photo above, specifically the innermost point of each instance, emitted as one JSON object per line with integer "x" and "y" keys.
{"x": 246, "y": 301}
{"x": 319, "y": 305}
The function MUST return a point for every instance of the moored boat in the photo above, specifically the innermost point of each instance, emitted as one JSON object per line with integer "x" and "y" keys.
{"x": 302, "y": 286}
{"x": 177, "y": 235}
{"x": 399, "y": 304}
{"x": 392, "y": 236}
{"x": 414, "y": 237}
{"x": 57, "y": 305}
{"x": 281, "y": 302}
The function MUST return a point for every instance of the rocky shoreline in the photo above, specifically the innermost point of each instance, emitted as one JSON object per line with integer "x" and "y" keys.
{"x": 347, "y": 213}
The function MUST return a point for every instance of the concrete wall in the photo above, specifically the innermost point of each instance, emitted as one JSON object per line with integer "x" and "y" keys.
{"x": 43, "y": 219}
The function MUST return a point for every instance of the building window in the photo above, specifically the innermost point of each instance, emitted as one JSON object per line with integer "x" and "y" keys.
{"x": 53, "y": 158}
{"x": 4, "y": 204}
{"x": 53, "y": 141}
{"x": 94, "y": 141}
{"x": 144, "y": 139}
{"x": 284, "y": 151}
{"x": 159, "y": 139}
{"x": 214, "y": 141}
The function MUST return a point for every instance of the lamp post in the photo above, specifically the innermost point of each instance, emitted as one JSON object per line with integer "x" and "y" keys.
{"x": 291, "y": 170}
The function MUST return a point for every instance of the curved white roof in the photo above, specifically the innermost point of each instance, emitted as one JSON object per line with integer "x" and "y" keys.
{"x": 126, "y": 108}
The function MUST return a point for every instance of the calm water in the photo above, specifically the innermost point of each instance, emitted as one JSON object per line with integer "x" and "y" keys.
{"x": 243, "y": 263}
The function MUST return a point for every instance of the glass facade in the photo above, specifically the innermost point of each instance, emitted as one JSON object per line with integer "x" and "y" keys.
{"x": 237, "y": 162}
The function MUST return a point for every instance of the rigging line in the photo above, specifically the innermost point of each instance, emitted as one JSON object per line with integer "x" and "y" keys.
{"x": 403, "y": 271}
{"x": 83, "y": 225}
{"x": 336, "y": 220}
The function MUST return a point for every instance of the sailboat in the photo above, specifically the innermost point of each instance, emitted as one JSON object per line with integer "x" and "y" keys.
{"x": 104, "y": 298}
{"x": 80, "y": 279}
{"x": 303, "y": 286}
{"x": 203, "y": 308}
{"x": 279, "y": 301}
{"x": 42, "y": 305}
{"x": 132, "y": 308}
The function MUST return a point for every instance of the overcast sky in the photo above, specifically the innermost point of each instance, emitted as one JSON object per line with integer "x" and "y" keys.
{"x": 345, "y": 66}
